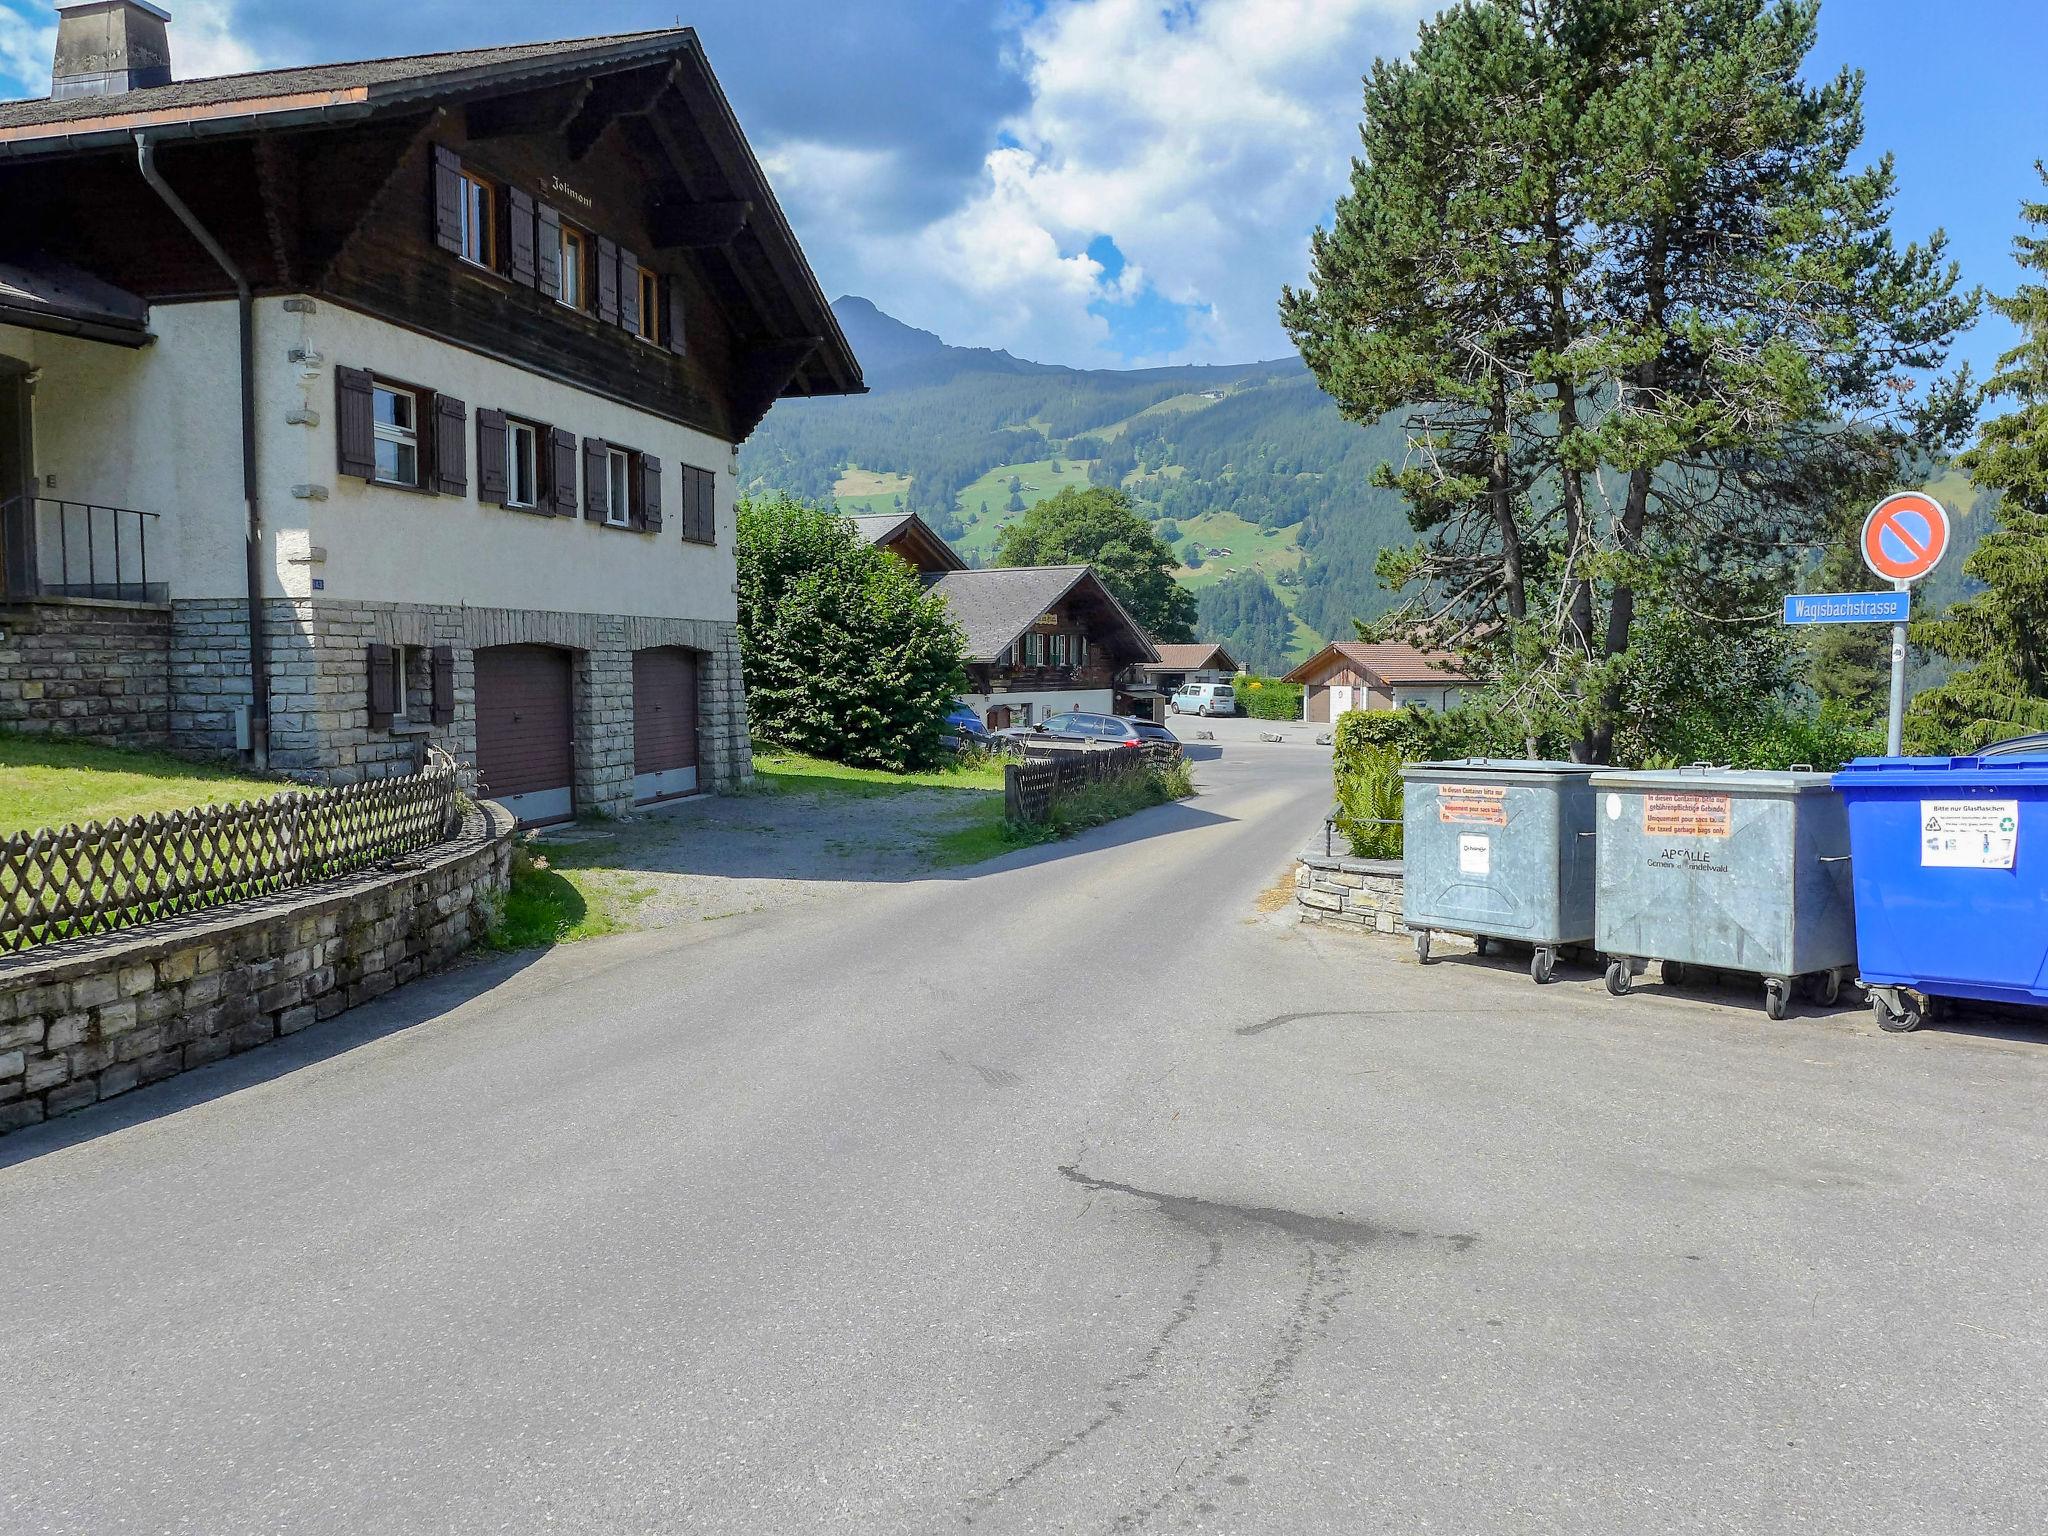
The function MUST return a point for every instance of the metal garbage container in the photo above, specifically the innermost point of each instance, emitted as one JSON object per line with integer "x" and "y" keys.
{"x": 1951, "y": 877}
{"x": 1725, "y": 869}
{"x": 1495, "y": 848}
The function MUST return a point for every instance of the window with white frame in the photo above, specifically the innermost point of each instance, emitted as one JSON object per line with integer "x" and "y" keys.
{"x": 572, "y": 267}
{"x": 395, "y": 427}
{"x": 618, "y": 466}
{"x": 479, "y": 230}
{"x": 522, "y": 464}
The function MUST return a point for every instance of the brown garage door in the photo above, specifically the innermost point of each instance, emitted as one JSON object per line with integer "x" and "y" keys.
{"x": 664, "y": 724}
{"x": 524, "y": 748}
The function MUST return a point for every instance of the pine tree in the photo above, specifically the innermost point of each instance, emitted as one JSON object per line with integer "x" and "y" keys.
{"x": 1612, "y": 260}
{"x": 2000, "y": 636}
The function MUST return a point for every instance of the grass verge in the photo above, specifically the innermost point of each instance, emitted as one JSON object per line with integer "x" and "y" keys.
{"x": 46, "y": 783}
{"x": 777, "y": 771}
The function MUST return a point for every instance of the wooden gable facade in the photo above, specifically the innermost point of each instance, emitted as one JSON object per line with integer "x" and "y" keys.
{"x": 628, "y": 143}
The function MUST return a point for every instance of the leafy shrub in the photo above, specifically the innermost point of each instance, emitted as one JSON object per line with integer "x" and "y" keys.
{"x": 847, "y": 656}
{"x": 1369, "y": 802}
{"x": 1091, "y": 805}
{"x": 1267, "y": 698}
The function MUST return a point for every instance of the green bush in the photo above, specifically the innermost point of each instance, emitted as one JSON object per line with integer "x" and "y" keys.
{"x": 1108, "y": 800}
{"x": 847, "y": 656}
{"x": 1267, "y": 698}
{"x": 1369, "y": 802}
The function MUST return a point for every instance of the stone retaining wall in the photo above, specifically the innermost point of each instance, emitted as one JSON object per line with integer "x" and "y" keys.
{"x": 93, "y": 671}
{"x": 1347, "y": 892}
{"x": 92, "y": 1018}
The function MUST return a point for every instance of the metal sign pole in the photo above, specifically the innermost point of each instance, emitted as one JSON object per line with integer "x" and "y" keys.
{"x": 1895, "y": 728}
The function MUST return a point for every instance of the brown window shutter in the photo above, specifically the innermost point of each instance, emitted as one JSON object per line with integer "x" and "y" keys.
{"x": 451, "y": 446}
{"x": 444, "y": 685}
{"x": 672, "y": 329}
{"x": 629, "y": 291}
{"x": 562, "y": 470}
{"x": 383, "y": 685}
{"x": 447, "y": 200}
{"x": 597, "y": 501}
{"x": 354, "y": 430}
{"x": 650, "y": 493}
{"x": 547, "y": 255}
{"x": 607, "y": 281}
{"x": 493, "y": 480}
{"x": 706, "y": 531}
{"x": 519, "y": 247}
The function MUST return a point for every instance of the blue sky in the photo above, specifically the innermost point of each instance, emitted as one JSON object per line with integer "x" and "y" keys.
{"x": 1119, "y": 182}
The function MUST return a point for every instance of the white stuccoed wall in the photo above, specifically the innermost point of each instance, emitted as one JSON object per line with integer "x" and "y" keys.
{"x": 158, "y": 430}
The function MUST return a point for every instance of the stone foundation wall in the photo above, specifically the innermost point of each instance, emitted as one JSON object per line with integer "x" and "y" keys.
{"x": 1347, "y": 892}
{"x": 94, "y": 671}
{"x": 92, "y": 1018}
{"x": 320, "y": 727}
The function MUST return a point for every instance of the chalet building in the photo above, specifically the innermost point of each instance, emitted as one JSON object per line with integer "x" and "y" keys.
{"x": 1350, "y": 674}
{"x": 353, "y": 408}
{"x": 1041, "y": 639}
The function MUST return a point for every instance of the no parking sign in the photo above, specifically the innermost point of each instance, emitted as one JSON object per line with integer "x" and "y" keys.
{"x": 1905, "y": 536}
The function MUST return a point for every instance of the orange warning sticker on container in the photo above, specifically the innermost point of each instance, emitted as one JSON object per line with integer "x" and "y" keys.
{"x": 1687, "y": 815}
{"x": 1477, "y": 805}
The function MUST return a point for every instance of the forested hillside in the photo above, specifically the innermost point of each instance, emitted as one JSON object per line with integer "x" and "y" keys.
{"x": 1248, "y": 469}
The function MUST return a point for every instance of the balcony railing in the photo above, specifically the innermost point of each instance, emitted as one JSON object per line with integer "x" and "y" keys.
{"x": 56, "y": 548}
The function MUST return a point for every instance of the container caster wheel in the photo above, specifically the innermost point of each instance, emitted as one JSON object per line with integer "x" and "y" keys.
{"x": 1828, "y": 989}
{"x": 1673, "y": 973}
{"x": 1776, "y": 991}
{"x": 1422, "y": 946}
{"x": 1894, "y": 1019}
{"x": 1482, "y": 946}
{"x": 1542, "y": 965}
{"x": 1618, "y": 977}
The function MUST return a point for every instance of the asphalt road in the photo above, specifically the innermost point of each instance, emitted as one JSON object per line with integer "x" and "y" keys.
{"x": 1073, "y": 1193}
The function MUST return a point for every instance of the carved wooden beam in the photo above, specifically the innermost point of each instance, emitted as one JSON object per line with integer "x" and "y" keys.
{"x": 545, "y": 112}
{"x": 697, "y": 226}
{"x": 614, "y": 97}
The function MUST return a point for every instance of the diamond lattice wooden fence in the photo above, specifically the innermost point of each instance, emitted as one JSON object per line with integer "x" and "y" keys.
{"x": 65, "y": 882}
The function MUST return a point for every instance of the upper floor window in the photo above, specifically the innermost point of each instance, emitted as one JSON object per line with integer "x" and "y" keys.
{"x": 522, "y": 464}
{"x": 395, "y": 428}
{"x": 479, "y": 233}
{"x": 572, "y": 267}
{"x": 650, "y": 306}
{"x": 618, "y": 465}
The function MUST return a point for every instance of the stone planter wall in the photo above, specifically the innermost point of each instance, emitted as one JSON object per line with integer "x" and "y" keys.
{"x": 1349, "y": 893}
{"x": 92, "y": 1018}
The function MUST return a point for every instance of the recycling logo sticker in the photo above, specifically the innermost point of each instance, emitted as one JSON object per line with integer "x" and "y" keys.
{"x": 1969, "y": 834}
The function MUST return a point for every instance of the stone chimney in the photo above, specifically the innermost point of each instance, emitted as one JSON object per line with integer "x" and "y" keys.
{"x": 105, "y": 47}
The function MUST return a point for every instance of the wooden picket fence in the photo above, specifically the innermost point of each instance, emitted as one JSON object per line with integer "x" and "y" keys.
{"x": 1030, "y": 787}
{"x": 66, "y": 882}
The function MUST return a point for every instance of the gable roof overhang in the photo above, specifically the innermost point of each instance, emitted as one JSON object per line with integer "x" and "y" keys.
{"x": 997, "y": 607}
{"x": 1193, "y": 658}
{"x": 1392, "y": 665}
{"x": 910, "y": 537}
{"x": 800, "y": 350}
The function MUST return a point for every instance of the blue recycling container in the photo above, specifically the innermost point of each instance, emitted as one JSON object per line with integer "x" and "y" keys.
{"x": 1951, "y": 876}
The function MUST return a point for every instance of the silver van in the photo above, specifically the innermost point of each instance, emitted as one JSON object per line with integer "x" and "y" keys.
{"x": 1204, "y": 699}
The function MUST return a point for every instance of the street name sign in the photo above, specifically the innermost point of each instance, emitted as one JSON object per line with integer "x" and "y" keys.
{"x": 1850, "y": 608}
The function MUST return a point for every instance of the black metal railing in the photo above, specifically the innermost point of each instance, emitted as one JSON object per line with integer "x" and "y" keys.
{"x": 58, "y": 548}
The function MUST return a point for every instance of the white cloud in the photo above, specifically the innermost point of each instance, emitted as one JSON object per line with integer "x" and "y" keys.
{"x": 1205, "y": 137}
{"x": 204, "y": 42}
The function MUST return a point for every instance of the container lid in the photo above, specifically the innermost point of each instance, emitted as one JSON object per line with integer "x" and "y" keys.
{"x": 2013, "y": 764}
{"x": 1679, "y": 781}
{"x": 1480, "y": 767}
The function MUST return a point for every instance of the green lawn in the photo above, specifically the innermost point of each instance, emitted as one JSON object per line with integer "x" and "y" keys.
{"x": 775, "y": 770}
{"x": 49, "y": 783}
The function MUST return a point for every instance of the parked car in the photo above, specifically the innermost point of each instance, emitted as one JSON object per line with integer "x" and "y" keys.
{"x": 1086, "y": 730}
{"x": 964, "y": 731}
{"x": 1204, "y": 699}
